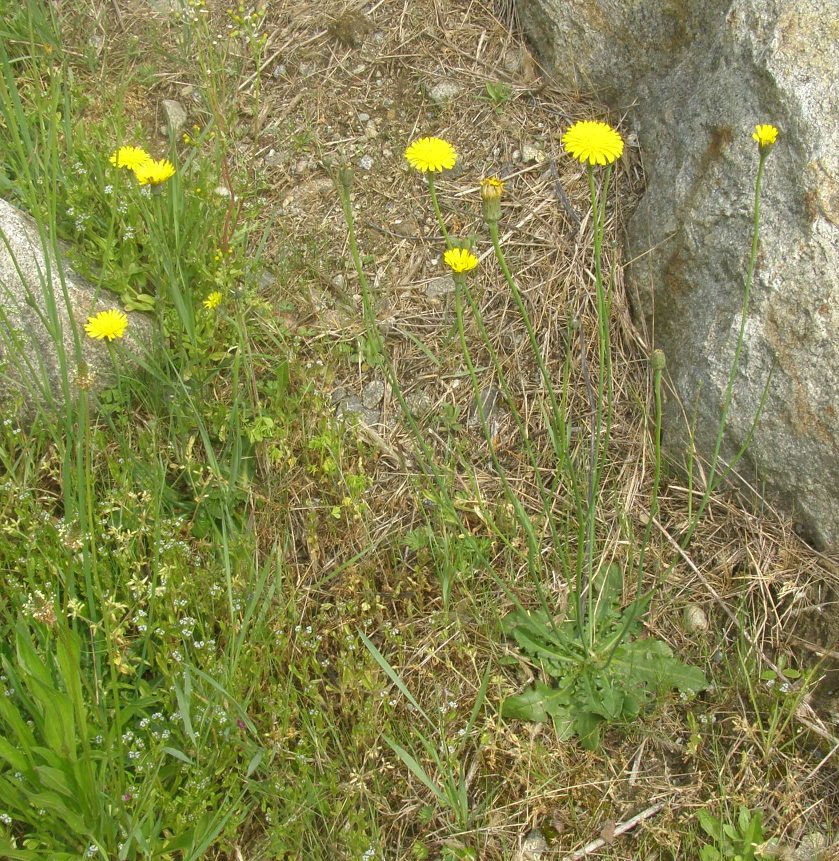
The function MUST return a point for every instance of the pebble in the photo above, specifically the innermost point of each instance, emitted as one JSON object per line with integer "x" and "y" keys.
{"x": 273, "y": 158}
{"x": 370, "y": 129}
{"x": 438, "y": 287}
{"x": 533, "y": 847}
{"x": 175, "y": 116}
{"x": 444, "y": 92}
{"x": 363, "y": 118}
{"x": 372, "y": 394}
{"x": 813, "y": 847}
{"x": 694, "y": 619}
{"x": 532, "y": 153}
{"x": 365, "y": 162}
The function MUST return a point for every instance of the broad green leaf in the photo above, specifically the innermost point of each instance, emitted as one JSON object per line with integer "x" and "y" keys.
{"x": 13, "y": 755}
{"x": 55, "y": 778}
{"x": 608, "y": 586}
{"x": 59, "y": 724}
{"x": 710, "y": 824}
{"x": 651, "y": 662}
{"x": 53, "y": 802}
{"x": 17, "y": 723}
{"x": 587, "y": 727}
{"x": 536, "y": 704}
{"x": 177, "y": 754}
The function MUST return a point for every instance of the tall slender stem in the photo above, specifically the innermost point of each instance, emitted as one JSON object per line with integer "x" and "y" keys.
{"x": 432, "y": 190}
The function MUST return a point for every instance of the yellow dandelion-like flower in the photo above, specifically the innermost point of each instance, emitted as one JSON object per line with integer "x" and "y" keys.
{"x": 130, "y": 157}
{"x": 106, "y": 324}
{"x": 491, "y": 190}
{"x": 153, "y": 172}
{"x": 431, "y": 154}
{"x": 213, "y": 300}
{"x": 460, "y": 259}
{"x": 765, "y": 135}
{"x": 592, "y": 142}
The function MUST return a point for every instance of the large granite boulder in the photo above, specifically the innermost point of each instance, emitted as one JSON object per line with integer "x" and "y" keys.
{"x": 694, "y": 89}
{"x": 32, "y": 366}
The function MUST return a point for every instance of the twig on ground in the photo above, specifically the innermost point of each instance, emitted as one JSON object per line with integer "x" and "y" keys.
{"x": 620, "y": 828}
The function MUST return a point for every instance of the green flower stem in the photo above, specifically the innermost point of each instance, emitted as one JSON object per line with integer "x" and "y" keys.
{"x": 423, "y": 453}
{"x": 531, "y": 335}
{"x": 558, "y": 429}
{"x": 557, "y": 417}
{"x": 735, "y": 365}
{"x": 603, "y": 402}
{"x": 366, "y": 297}
{"x": 545, "y": 495}
{"x": 521, "y": 514}
{"x": 559, "y": 543}
{"x": 435, "y": 203}
{"x": 658, "y": 364}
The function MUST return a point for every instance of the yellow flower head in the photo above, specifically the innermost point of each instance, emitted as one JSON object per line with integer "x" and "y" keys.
{"x": 106, "y": 324}
{"x": 213, "y": 300}
{"x": 460, "y": 259}
{"x": 592, "y": 142}
{"x": 765, "y": 135}
{"x": 153, "y": 172}
{"x": 491, "y": 188}
{"x": 431, "y": 154}
{"x": 130, "y": 157}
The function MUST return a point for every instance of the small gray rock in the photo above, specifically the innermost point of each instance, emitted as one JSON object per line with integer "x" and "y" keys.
{"x": 365, "y": 162}
{"x": 444, "y": 92}
{"x": 372, "y": 394}
{"x": 439, "y": 287}
{"x": 533, "y": 847}
{"x": 813, "y": 847}
{"x": 532, "y": 153}
{"x": 174, "y": 114}
{"x": 694, "y": 620}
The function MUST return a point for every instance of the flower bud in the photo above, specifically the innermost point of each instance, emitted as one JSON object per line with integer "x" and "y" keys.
{"x": 345, "y": 177}
{"x": 491, "y": 190}
{"x": 657, "y": 360}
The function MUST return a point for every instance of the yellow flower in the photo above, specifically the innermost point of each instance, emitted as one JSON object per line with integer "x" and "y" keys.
{"x": 765, "y": 135}
{"x": 129, "y": 156}
{"x": 431, "y": 154}
{"x": 491, "y": 189}
{"x": 460, "y": 260}
{"x": 106, "y": 324}
{"x": 592, "y": 142}
{"x": 213, "y": 300}
{"x": 153, "y": 172}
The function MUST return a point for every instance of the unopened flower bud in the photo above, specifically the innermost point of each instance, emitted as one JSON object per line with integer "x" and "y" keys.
{"x": 491, "y": 190}
{"x": 345, "y": 177}
{"x": 657, "y": 360}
